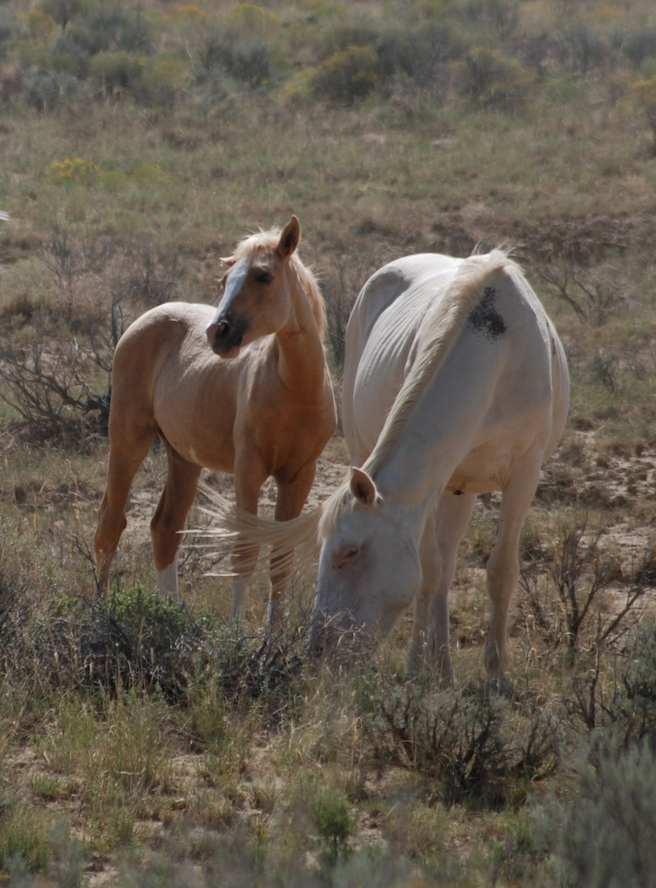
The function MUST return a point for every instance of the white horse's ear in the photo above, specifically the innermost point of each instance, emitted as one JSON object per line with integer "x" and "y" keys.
{"x": 363, "y": 487}
{"x": 289, "y": 238}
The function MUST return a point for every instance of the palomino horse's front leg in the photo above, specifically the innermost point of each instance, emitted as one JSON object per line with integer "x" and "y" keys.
{"x": 289, "y": 504}
{"x": 169, "y": 519}
{"x": 503, "y": 563}
{"x": 250, "y": 475}
{"x": 439, "y": 548}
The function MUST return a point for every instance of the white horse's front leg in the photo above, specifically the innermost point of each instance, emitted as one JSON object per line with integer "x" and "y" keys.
{"x": 439, "y": 548}
{"x": 503, "y": 563}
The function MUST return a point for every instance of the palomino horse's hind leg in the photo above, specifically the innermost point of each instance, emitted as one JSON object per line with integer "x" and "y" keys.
{"x": 289, "y": 504}
{"x": 169, "y": 519}
{"x": 503, "y": 563}
{"x": 124, "y": 460}
{"x": 439, "y": 548}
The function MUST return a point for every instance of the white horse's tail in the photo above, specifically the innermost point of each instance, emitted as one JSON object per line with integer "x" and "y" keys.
{"x": 233, "y": 531}
{"x": 4, "y": 217}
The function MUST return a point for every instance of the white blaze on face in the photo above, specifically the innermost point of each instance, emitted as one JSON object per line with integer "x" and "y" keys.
{"x": 235, "y": 282}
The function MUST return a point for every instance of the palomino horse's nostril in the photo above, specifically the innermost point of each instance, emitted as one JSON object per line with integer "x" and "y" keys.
{"x": 222, "y": 328}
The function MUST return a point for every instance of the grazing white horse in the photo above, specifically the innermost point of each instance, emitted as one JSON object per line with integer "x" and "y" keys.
{"x": 455, "y": 384}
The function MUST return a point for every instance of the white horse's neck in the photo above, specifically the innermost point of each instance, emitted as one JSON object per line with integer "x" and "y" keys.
{"x": 437, "y": 434}
{"x": 301, "y": 357}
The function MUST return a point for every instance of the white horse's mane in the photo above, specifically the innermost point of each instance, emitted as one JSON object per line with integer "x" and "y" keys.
{"x": 298, "y": 539}
{"x": 440, "y": 329}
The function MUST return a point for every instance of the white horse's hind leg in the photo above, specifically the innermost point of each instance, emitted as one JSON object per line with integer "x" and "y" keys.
{"x": 439, "y": 548}
{"x": 503, "y": 563}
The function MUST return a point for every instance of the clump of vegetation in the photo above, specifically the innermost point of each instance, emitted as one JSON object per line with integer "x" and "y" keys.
{"x": 468, "y": 741}
{"x": 604, "y": 836}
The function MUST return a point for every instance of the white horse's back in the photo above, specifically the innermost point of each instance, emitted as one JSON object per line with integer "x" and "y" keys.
{"x": 381, "y": 336}
{"x": 392, "y": 316}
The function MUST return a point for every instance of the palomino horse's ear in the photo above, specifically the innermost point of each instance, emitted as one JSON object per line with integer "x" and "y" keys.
{"x": 363, "y": 487}
{"x": 289, "y": 238}
{"x": 228, "y": 260}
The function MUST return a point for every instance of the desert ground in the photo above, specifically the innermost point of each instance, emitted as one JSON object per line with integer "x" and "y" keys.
{"x": 144, "y": 742}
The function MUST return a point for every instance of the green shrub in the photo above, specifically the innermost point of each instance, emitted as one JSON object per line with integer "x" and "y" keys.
{"x": 162, "y": 78}
{"x": 111, "y": 27}
{"x": 605, "y": 836}
{"x": 467, "y": 740}
{"x": 7, "y": 25}
{"x": 116, "y": 71}
{"x": 420, "y": 54}
{"x": 500, "y": 15}
{"x": 23, "y": 837}
{"x": 639, "y": 46}
{"x": 490, "y": 79}
{"x": 245, "y": 59}
{"x": 62, "y": 11}
{"x": 345, "y": 77}
{"x": 582, "y": 49}
{"x": 331, "y": 815}
{"x": 46, "y": 90}
{"x": 645, "y": 94}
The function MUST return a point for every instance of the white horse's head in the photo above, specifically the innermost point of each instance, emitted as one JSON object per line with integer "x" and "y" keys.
{"x": 369, "y": 568}
{"x": 256, "y": 299}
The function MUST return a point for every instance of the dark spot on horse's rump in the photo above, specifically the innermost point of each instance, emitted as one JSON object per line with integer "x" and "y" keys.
{"x": 485, "y": 318}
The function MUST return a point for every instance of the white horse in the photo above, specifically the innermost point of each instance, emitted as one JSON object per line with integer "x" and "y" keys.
{"x": 455, "y": 384}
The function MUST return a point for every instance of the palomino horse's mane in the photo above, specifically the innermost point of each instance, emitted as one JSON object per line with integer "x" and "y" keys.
{"x": 266, "y": 241}
{"x": 299, "y": 538}
{"x": 441, "y": 328}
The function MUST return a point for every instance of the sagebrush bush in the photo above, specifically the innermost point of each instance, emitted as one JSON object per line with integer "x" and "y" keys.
{"x": 490, "y": 79}
{"x": 421, "y": 55}
{"x": 605, "y": 836}
{"x": 639, "y": 46}
{"x": 116, "y": 70}
{"x": 346, "y": 76}
{"x": 46, "y": 90}
{"x": 245, "y": 59}
{"x": 468, "y": 740}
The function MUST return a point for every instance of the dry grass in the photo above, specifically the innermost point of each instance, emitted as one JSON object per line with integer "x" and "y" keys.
{"x": 155, "y": 745}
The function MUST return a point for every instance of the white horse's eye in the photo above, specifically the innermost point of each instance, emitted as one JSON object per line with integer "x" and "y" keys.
{"x": 346, "y": 555}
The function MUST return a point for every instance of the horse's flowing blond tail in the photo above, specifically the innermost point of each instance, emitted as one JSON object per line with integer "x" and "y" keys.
{"x": 233, "y": 531}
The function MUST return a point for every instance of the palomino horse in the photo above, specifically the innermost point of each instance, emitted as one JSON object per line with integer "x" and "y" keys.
{"x": 455, "y": 384}
{"x": 267, "y": 411}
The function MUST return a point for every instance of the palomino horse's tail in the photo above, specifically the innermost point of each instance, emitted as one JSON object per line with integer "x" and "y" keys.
{"x": 232, "y": 531}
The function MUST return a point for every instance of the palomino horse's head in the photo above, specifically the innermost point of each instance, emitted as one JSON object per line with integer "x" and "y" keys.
{"x": 369, "y": 568}
{"x": 256, "y": 298}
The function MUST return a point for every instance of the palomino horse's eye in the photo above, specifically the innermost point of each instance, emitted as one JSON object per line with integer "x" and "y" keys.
{"x": 264, "y": 277}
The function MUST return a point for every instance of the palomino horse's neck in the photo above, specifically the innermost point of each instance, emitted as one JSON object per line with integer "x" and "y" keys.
{"x": 301, "y": 356}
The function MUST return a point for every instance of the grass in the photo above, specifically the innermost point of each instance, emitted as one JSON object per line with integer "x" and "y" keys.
{"x": 161, "y": 745}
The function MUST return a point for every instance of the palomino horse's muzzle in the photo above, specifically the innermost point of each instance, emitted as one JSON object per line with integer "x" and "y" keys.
{"x": 225, "y": 335}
